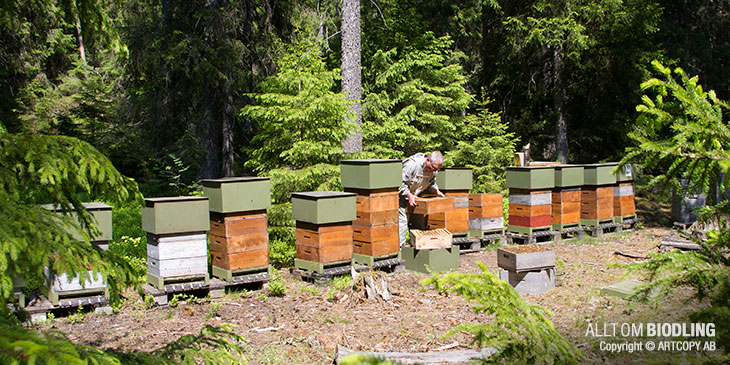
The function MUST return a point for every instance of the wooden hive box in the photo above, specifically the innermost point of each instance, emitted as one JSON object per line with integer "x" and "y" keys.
{"x": 461, "y": 198}
{"x": 376, "y": 218}
{"x": 566, "y": 213}
{"x": 175, "y": 215}
{"x": 377, "y": 203}
{"x": 596, "y": 192}
{"x": 101, "y": 215}
{"x": 62, "y": 282}
{"x": 486, "y": 224}
{"x": 238, "y": 194}
{"x": 324, "y": 243}
{"x": 456, "y": 221}
{"x": 238, "y": 224}
{"x": 566, "y": 195}
{"x": 323, "y": 207}
{"x": 536, "y": 197}
{"x": 377, "y": 248}
{"x": 624, "y": 206}
{"x": 536, "y": 177}
{"x": 374, "y": 233}
{"x": 454, "y": 178}
{"x": 433, "y": 205}
{"x": 532, "y": 222}
{"x": 568, "y": 175}
{"x": 596, "y": 209}
{"x": 525, "y": 258}
{"x": 529, "y": 210}
{"x": 493, "y": 211}
{"x": 599, "y": 174}
{"x": 431, "y": 239}
{"x": 485, "y": 200}
{"x": 177, "y": 255}
{"x": 240, "y": 260}
{"x": 371, "y": 173}
{"x": 241, "y": 243}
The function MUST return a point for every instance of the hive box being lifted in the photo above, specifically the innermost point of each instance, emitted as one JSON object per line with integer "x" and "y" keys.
{"x": 433, "y": 205}
{"x": 238, "y": 194}
{"x": 525, "y": 258}
{"x": 454, "y": 178}
{"x": 568, "y": 175}
{"x": 599, "y": 174}
{"x": 100, "y": 213}
{"x": 371, "y": 174}
{"x": 321, "y": 207}
{"x": 175, "y": 215}
{"x": 536, "y": 177}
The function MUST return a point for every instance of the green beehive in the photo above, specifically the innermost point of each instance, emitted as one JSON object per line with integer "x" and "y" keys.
{"x": 180, "y": 214}
{"x": 599, "y": 174}
{"x": 454, "y": 178}
{"x": 320, "y": 207}
{"x": 371, "y": 174}
{"x": 238, "y": 194}
{"x": 439, "y": 260}
{"x": 568, "y": 175}
{"x": 101, "y": 216}
{"x": 535, "y": 177}
{"x": 625, "y": 173}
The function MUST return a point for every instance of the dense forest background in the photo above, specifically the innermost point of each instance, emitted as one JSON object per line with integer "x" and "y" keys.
{"x": 175, "y": 91}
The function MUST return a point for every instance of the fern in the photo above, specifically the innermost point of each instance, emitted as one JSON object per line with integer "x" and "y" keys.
{"x": 519, "y": 331}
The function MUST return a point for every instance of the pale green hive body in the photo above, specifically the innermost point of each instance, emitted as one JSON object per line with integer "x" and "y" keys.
{"x": 101, "y": 215}
{"x": 568, "y": 175}
{"x": 321, "y": 207}
{"x": 238, "y": 194}
{"x": 454, "y": 178}
{"x": 599, "y": 174}
{"x": 538, "y": 177}
{"x": 371, "y": 174}
{"x": 175, "y": 215}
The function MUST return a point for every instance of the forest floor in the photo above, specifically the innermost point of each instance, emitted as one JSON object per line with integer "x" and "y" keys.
{"x": 306, "y": 324}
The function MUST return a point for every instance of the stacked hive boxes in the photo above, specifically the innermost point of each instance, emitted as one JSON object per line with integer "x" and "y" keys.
{"x": 239, "y": 238}
{"x": 529, "y": 269}
{"x": 530, "y": 198}
{"x": 324, "y": 229}
{"x": 566, "y": 196}
{"x": 60, "y": 285}
{"x": 624, "y": 206}
{"x": 596, "y": 202}
{"x": 455, "y": 182}
{"x": 485, "y": 214}
{"x": 177, "y": 248}
{"x": 375, "y": 229}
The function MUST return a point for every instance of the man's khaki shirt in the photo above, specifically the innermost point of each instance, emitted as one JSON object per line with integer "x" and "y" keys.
{"x": 415, "y": 178}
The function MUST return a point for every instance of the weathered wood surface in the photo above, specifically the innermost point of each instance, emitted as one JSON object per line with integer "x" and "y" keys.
{"x": 177, "y": 250}
{"x": 531, "y": 199}
{"x": 444, "y": 357}
{"x": 431, "y": 239}
{"x": 485, "y": 224}
{"x": 433, "y": 205}
{"x": 178, "y": 267}
{"x": 525, "y": 258}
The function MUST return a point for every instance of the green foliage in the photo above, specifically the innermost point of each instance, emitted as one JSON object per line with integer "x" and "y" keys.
{"x": 276, "y": 286}
{"x": 342, "y": 282}
{"x": 65, "y": 171}
{"x": 282, "y": 253}
{"x": 518, "y": 330}
{"x": 484, "y": 145}
{"x": 706, "y": 271}
{"x": 359, "y": 359}
{"x": 299, "y": 120}
{"x": 415, "y": 100}
{"x": 680, "y": 131}
{"x": 78, "y": 316}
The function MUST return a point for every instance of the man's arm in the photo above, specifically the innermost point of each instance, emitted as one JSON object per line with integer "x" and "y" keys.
{"x": 409, "y": 171}
{"x": 434, "y": 188}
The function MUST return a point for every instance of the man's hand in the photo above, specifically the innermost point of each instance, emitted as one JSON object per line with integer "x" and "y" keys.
{"x": 440, "y": 194}
{"x": 412, "y": 199}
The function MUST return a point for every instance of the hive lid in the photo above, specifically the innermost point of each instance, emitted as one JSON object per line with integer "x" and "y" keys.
{"x": 367, "y": 161}
{"x": 214, "y": 183}
{"x": 317, "y": 195}
{"x": 150, "y": 202}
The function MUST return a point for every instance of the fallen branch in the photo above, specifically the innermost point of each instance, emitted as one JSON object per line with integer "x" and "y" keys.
{"x": 460, "y": 356}
{"x": 632, "y": 256}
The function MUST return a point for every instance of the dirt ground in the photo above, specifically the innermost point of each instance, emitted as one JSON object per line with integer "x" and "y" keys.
{"x": 305, "y": 325}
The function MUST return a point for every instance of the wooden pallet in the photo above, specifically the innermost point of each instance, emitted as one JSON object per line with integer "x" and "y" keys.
{"x": 534, "y": 237}
{"x": 527, "y": 230}
{"x": 39, "y": 307}
{"x": 320, "y": 272}
{"x": 572, "y": 231}
{"x": 389, "y": 263}
{"x": 468, "y": 244}
{"x": 223, "y": 279}
{"x": 159, "y": 288}
{"x": 603, "y": 228}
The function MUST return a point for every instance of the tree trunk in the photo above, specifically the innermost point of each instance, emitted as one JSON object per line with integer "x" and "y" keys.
{"x": 559, "y": 98}
{"x": 351, "y": 77}
{"x": 227, "y": 129}
{"x": 80, "y": 39}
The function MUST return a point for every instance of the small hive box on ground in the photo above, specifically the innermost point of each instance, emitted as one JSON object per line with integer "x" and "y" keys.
{"x": 239, "y": 238}
{"x": 177, "y": 249}
{"x": 324, "y": 229}
{"x": 530, "y": 269}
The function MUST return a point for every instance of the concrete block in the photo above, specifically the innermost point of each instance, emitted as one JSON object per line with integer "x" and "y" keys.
{"x": 531, "y": 282}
